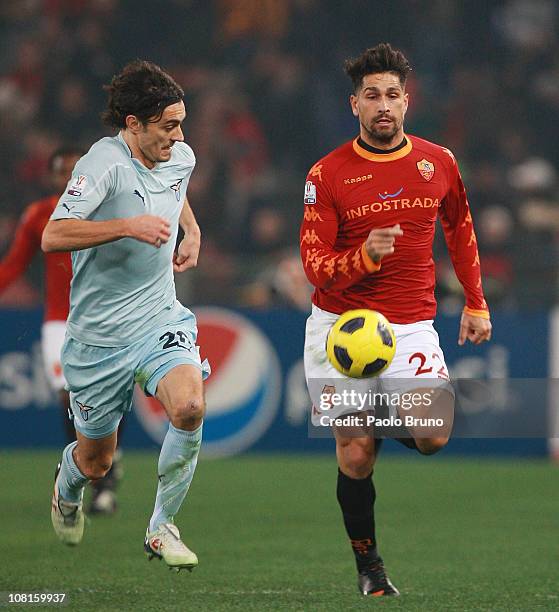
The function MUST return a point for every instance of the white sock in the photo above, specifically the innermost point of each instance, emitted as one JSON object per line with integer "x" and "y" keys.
{"x": 70, "y": 479}
{"x": 177, "y": 462}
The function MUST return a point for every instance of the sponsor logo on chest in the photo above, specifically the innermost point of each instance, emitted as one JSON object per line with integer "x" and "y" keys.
{"x": 391, "y": 205}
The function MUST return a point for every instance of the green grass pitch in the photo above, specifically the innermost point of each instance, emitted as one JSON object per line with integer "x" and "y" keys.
{"x": 455, "y": 534}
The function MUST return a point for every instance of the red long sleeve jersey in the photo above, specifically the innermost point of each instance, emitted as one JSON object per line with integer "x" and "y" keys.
{"x": 58, "y": 266}
{"x": 352, "y": 191}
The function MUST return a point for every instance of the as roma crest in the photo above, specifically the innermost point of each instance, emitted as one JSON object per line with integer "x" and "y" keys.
{"x": 426, "y": 169}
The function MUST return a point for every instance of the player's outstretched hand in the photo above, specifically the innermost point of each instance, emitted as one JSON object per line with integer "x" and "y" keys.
{"x": 149, "y": 228}
{"x": 187, "y": 254}
{"x": 474, "y": 329}
{"x": 380, "y": 242}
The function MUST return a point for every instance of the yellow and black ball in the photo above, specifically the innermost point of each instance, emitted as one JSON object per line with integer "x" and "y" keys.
{"x": 361, "y": 343}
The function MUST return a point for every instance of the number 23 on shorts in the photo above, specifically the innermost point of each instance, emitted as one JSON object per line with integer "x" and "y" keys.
{"x": 176, "y": 339}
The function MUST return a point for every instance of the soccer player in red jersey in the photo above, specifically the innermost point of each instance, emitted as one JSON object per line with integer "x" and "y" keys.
{"x": 58, "y": 275}
{"x": 366, "y": 242}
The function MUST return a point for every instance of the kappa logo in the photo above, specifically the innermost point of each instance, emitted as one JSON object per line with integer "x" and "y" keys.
{"x": 84, "y": 410}
{"x": 310, "y": 237}
{"x": 77, "y": 187}
{"x": 176, "y": 187}
{"x": 426, "y": 169}
{"x": 312, "y": 215}
{"x": 361, "y": 546}
{"x": 316, "y": 170}
{"x": 358, "y": 179}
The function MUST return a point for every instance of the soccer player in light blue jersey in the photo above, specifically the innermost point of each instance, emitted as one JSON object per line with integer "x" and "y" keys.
{"x": 119, "y": 215}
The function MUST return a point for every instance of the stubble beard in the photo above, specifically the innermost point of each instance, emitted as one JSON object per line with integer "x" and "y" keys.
{"x": 382, "y": 136}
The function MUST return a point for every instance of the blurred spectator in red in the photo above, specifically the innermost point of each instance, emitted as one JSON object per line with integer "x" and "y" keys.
{"x": 28, "y": 73}
{"x": 32, "y": 171}
{"x": 245, "y": 142}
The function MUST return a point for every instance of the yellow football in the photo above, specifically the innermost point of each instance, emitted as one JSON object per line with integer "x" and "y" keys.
{"x": 361, "y": 343}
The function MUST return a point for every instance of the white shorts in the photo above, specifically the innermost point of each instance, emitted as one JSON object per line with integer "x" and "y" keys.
{"x": 418, "y": 357}
{"x": 52, "y": 339}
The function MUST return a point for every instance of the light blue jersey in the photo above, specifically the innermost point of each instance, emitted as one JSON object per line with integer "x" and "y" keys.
{"x": 122, "y": 287}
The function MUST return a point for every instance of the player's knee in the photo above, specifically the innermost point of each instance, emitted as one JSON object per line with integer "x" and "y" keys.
{"x": 187, "y": 414}
{"x": 97, "y": 467}
{"x": 357, "y": 458}
{"x": 430, "y": 446}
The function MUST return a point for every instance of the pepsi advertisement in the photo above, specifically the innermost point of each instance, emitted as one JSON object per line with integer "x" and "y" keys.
{"x": 256, "y": 396}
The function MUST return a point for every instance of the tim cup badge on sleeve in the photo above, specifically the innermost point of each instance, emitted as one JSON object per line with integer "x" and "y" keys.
{"x": 77, "y": 186}
{"x": 310, "y": 193}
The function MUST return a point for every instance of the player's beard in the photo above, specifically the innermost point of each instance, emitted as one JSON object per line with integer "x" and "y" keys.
{"x": 382, "y": 136}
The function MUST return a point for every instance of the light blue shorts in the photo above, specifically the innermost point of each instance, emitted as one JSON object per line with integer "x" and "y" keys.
{"x": 101, "y": 379}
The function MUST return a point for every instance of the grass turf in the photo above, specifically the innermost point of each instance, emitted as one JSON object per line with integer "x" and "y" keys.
{"x": 455, "y": 535}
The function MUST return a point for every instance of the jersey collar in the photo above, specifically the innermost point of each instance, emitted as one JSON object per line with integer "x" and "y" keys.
{"x": 137, "y": 163}
{"x": 382, "y": 157}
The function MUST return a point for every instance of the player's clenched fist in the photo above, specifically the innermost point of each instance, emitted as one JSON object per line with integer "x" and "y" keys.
{"x": 380, "y": 242}
{"x": 474, "y": 329}
{"x": 187, "y": 254}
{"x": 149, "y": 228}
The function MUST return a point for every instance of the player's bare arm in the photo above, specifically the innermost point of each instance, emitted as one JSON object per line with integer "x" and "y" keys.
{"x": 380, "y": 242}
{"x": 475, "y": 329}
{"x": 77, "y": 234}
{"x": 189, "y": 248}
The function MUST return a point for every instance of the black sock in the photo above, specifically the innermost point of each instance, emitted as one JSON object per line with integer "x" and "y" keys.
{"x": 356, "y": 497}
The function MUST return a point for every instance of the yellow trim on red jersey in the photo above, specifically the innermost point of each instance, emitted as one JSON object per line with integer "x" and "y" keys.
{"x": 382, "y": 157}
{"x": 483, "y": 314}
{"x": 369, "y": 263}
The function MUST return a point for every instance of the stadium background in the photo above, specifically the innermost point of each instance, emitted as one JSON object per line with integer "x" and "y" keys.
{"x": 266, "y": 96}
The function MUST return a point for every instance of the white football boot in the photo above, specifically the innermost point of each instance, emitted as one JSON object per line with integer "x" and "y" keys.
{"x": 67, "y": 518}
{"x": 165, "y": 543}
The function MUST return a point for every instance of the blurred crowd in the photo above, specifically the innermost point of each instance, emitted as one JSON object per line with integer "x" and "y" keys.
{"x": 266, "y": 97}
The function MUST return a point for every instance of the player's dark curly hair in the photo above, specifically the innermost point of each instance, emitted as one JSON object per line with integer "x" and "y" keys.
{"x": 141, "y": 89}
{"x": 382, "y": 58}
